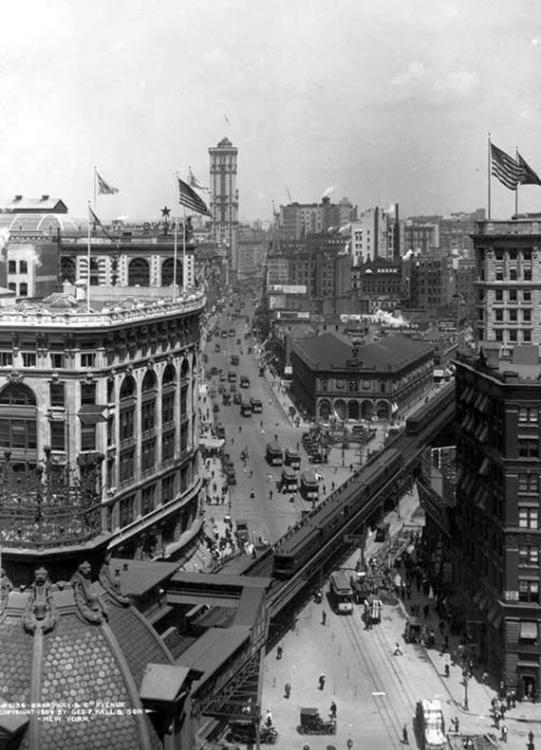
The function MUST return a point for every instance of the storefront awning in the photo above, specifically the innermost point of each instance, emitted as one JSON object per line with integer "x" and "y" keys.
{"x": 92, "y": 413}
{"x": 528, "y": 631}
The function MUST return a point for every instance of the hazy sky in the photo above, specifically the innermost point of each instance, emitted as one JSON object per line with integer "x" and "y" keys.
{"x": 386, "y": 100}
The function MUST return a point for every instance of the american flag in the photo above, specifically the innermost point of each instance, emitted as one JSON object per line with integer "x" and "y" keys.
{"x": 505, "y": 168}
{"x": 190, "y": 200}
{"x": 104, "y": 188}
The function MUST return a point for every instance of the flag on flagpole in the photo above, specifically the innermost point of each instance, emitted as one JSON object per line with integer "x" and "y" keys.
{"x": 505, "y": 168}
{"x": 194, "y": 182}
{"x": 103, "y": 187}
{"x": 190, "y": 200}
{"x": 93, "y": 219}
{"x": 527, "y": 175}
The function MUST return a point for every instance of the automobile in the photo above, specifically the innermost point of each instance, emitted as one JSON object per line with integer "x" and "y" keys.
{"x": 316, "y": 458}
{"x": 213, "y": 370}
{"x": 244, "y": 381}
{"x": 223, "y": 377}
{"x": 237, "y": 398}
{"x": 217, "y": 347}
{"x": 234, "y": 359}
{"x": 215, "y": 408}
{"x": 223, "y": 334}
{"x": 239, "y": 342}
{"x": 231, "y": 332}
{"x": 212, "y": 392}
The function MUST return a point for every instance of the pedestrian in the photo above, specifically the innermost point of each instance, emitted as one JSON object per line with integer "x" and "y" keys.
{"x": 485, "y": 677}
{"x": 508, "y": 699}
{"x": 426, "y": 610}
{"x": 323, "y": 617}
{"x": 321, "y": 681}
{"x": 513, "y": 699}
{"x": 397, "y": 649}
{"x": 503, "y": 730}
{"x": 287, "y": 690}
{"x": 279, "y": 653}
{"x": 332, "y": 710}
{"x": 405, "y": 739}
{"x": 268, "y": 720}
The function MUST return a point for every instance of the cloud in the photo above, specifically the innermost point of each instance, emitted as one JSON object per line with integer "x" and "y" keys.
{"x": 423, "y": 87}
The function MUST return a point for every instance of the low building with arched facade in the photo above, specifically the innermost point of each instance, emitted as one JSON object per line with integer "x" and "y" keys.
{"x": 335, "y": 379}
{"x": 107, "y": 393}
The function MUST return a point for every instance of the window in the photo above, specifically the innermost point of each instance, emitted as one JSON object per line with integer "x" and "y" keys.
{"x": 527, "y": 483}
{"x": 353, "y": 385}
{"x": 23, "y": 266}
{"x": 513, "y": 315}
{"x": 23, "y": 290}
{"x": 110, "y": 430}
{"x": 58, "y": 435}
{"x": 147, "y": 499}
{"x": 512, "y": 336}
{"x": 513, "y": 295}
{"x": 56, "y": 394}
{"x": 512, "y": 274}
{"x": 527, "y": 254}
{"x": 528, "y": 555}
{"x": 528, "y": 591}
{"x": 168, "y": 407}
{"x": 126, "y": 511}
{"x": 499, "y": 274}
{"x": 528, "y": 518}
{"x": 168, "y": 445}
{"x": 12, "y": 287}
{"x": 57, "y": 360}
{"x": 498, "y": 254}
{"x": 87, "y": 360}
{"x": 498, "y": 316}
{"x": 29, "y": 359}
{"x": 528, "y": 414}
{"x": 126, "y": 424}
{"x": 6, "y": 359}
{"x": 526, "y": 335}
{"x": 527, "y": 296}
{"x": 88, "y": 393}
{"x": 528, "y": 448}
{"x": 18, "y": 433}
{"x": 499, "y": 295}
{"x": 526, "y": 315}
{"x": 147, "y": 416}
{"x": 88, "y": 437}
{"x": 527, "y": 274}
{"x": 127, "y": 464}
{"x": 148, "y": 457}
{"x": 168, "y": 488}
{"x": 12, "y": 266}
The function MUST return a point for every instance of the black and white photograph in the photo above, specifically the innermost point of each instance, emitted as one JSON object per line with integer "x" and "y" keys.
{"x": 270, "y": 375}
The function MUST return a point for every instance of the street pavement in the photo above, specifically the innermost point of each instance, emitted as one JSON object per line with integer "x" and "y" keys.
{"x": 376, "y": 691}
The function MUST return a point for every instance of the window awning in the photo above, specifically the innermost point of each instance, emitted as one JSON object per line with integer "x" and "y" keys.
{"x": 92, "y": 413}
{"x": 528, "y": 631}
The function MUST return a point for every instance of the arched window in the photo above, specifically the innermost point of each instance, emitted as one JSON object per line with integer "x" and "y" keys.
{"x": 138, "y": 272}
{"x": 17, "y": 393}
{"x": 167, "y": 272}
{"x": 168, "y": 413}
{"x": 185, "y": 369}
{"x": 127, "y": 408}
{"x": 94, "y": 271}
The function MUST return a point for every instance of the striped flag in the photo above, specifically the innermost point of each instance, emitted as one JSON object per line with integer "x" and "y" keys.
{"x": 103, "y": 187}
{"x": 93, "y": 219}
{"x": 190, "y": 200}
{"x": 505, "y": 168}
{"x": 527, "y": 176}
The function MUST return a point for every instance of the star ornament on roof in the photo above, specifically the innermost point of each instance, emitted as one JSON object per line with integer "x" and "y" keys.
{"x": 166, "y": 212}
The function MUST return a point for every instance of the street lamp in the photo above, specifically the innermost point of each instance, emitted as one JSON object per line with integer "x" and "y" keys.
{"x": 466, "y": 676}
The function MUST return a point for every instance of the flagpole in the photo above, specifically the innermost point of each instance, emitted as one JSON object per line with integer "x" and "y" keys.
{"x": 183, "y": 249}
{"x": 516, "y": 189}
{"x": 95, "y": 191}
{"x": 88, "y": 266}
{"x": 489, "y": 178}
{"x": 175, "y": 248}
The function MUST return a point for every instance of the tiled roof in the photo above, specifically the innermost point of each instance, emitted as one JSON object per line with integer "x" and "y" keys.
{"x": 331, "y": 351}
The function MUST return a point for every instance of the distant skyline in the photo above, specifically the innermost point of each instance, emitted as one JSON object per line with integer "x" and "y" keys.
{"x": 383, "y": 101}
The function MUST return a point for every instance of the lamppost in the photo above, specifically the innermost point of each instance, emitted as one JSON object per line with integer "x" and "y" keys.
{"x": 466, "y": 679}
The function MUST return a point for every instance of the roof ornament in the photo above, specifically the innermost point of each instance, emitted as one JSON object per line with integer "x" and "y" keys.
{"x": 111, "y": 586}
{"x": 87, "y": 595}
{"x": 40, "y": 611}
{"x": 5, "y": 587}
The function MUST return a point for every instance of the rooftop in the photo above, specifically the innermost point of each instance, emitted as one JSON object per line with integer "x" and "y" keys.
{"x": 524, "y": 365}
{"x": 332, "y": 351}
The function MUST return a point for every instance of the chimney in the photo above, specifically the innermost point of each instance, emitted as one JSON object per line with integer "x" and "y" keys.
{"x": 45, "y": 197}
{"x": 17, "y": 198}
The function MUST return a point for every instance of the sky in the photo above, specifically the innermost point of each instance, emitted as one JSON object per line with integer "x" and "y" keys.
{"x": 381, "y": 101}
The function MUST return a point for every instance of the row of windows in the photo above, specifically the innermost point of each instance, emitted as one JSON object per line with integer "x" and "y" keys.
{"x": 512, "y": 315}
{"x": 512, "y": 274}
{"x": 513, "y": 335}
{"x": 12, "y": 266}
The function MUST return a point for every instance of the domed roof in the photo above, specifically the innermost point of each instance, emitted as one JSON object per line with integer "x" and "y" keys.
{"x": 81, "y": 647}
{"x": 40, "y": 223}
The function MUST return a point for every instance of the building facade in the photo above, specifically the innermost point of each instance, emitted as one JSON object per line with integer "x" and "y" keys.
{"x": 224, "y": 197}
{"x": 335, "y": 379}
{"x": 498, "y": 412}
{"x": 114, "y": 392}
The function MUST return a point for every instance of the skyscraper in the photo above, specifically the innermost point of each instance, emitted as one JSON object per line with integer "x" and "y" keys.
{"x": 224, "y": 197}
